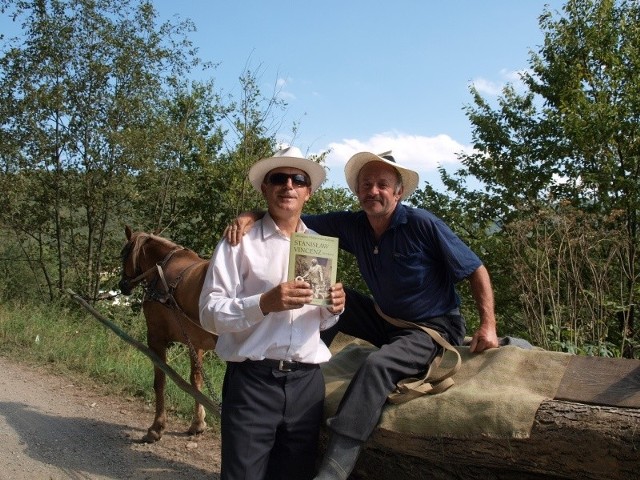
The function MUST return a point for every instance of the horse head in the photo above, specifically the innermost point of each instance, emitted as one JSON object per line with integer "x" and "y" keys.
{"x": 140, "y": 255}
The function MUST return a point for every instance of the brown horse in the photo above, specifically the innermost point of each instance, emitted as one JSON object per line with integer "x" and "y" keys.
{"x": 172, "y": 278}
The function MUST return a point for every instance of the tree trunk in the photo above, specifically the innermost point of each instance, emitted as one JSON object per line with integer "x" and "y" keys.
{"x": 569, "y": 441}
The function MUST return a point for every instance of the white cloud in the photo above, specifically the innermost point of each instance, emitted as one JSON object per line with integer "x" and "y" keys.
{"x": 494, "y": 88}
{"x": 422, "y": 154}
{"x": 512, "y": 76}
{"x": 487, "y": 87}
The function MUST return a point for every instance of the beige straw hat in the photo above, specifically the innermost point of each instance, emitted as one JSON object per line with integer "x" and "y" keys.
{"x": 287, "y": 157}
{"x": 410, "y": 179}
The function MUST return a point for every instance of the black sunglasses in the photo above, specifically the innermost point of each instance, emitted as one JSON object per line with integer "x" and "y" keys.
{"x": 297, "y": 179}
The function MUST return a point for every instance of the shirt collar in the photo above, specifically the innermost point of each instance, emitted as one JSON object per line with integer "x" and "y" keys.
{"x": 399, "y": 215}
{"x": 269, "y": 227}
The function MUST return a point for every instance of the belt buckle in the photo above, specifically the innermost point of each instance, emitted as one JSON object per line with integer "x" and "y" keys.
{"x": 286, "y": 366}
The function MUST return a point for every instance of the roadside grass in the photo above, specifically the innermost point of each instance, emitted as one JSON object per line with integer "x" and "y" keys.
{"x": 69, "y": 341}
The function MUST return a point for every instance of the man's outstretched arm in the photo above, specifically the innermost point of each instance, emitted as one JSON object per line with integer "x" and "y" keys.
{"x": 486, "y": 336}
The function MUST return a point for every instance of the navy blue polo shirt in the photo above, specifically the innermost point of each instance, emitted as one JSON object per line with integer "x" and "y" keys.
{"x": 413, "y": 268}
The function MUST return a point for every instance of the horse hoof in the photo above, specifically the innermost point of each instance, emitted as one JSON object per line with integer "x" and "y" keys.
{"x": 152, "y": 436}
{"x": 197, "y": 428}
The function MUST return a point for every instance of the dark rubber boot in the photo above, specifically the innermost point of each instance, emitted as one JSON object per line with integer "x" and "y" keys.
{"x": 340, "y": 458}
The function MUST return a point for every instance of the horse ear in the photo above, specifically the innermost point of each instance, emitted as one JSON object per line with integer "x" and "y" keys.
{"x": 127, "y": 232}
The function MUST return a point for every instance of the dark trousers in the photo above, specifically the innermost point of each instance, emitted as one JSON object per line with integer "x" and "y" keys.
{"x": 402, "y": 353}
{"x": 270, "y": 422}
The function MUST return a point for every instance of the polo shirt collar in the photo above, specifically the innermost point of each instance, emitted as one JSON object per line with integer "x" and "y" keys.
{"x": 399, "y": 216}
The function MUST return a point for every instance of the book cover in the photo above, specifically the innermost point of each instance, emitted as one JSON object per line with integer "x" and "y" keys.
{"x": 314, "y": 258}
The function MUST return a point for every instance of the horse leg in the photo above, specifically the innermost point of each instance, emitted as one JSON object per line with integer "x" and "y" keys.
{"x": 155, "y": 431}
{"x": 198, "y": 424}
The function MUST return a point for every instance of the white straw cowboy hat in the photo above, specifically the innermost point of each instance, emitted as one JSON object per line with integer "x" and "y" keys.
{"x": 410, "y": 179}
{"x": 287, "y": 157}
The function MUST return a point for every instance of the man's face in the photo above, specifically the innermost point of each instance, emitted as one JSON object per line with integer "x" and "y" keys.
{"x": 286, "y": 190}
{"x": 378, "y": 190}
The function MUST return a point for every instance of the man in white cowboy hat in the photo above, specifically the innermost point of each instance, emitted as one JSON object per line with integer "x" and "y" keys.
{"x": 411, "y": 262}
{"x": 269, "y": 334}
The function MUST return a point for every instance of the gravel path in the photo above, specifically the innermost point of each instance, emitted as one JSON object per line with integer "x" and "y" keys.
{"x": 52, "y": 428}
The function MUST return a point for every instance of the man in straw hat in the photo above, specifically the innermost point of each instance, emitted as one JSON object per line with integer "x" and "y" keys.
{"x": 411, "y": 262}
{"x": 269, "y": 334}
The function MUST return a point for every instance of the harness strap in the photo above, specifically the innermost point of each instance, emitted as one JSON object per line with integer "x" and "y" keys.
{"x": 169, "y": 288}
{"x": 167, "y": 293}
{"x": 142, "y": 276}
{"x": 157, "y": 266}
{"x": 429, "y": 383}
{"x": 167, "y": 298}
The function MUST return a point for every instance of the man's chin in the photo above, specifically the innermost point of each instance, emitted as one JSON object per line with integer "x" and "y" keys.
{"x": 289, "y": 206}
{"x": 371, "y": 206}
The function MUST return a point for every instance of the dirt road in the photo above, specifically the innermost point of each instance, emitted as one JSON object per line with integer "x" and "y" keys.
{"x": 52, "y": 428}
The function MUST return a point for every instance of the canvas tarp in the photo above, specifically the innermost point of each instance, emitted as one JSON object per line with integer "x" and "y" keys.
{"x": 496, "y": 393}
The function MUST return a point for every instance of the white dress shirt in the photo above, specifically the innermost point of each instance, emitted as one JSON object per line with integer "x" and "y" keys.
{"x": 229, "y": 301}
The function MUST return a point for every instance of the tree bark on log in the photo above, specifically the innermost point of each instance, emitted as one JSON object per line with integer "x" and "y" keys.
{"x": 568, "y": 441}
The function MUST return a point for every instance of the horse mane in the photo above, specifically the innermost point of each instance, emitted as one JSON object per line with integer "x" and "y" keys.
{"x": 143, "y": 238}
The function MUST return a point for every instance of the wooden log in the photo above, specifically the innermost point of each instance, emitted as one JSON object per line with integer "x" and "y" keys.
{"x": 590, "y": 429}
{"x": 568, "y": 441}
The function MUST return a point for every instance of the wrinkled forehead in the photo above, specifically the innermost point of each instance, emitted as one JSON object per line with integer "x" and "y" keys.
{"x": 378, "y": 170}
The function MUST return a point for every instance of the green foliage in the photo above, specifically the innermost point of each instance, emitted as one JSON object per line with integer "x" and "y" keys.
{"x": 82, "y": 92}
{"x": 569, "y": 268}
{"x": 570, "y": 139}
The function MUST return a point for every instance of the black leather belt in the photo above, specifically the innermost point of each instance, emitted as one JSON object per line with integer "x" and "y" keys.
{"x": 284, "y": 365}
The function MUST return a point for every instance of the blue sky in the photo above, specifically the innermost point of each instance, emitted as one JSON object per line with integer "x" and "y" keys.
{"x": 370, "y": 75}
{"x": 367, "y": 74}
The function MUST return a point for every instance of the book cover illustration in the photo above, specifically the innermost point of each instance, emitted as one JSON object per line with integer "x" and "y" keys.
{"x": 314, "y": 259}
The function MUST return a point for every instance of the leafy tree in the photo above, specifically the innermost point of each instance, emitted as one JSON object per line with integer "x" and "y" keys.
{"x": 82, "y": 95}
{"x": 174, "y": 189}
{"x": 572, "y": 136}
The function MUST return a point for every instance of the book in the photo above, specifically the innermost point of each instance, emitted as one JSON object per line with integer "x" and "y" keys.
{"x": 314, "y": 259}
